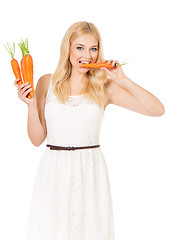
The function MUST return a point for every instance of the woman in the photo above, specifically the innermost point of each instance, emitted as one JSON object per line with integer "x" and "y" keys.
{"x": 71, "y": 197}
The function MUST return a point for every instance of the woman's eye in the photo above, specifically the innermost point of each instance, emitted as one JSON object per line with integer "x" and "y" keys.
{"x": 79, "y": 48}
{"x": 94, "y": 49}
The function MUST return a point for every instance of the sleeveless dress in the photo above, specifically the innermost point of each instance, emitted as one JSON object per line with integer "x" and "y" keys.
{"x": 71, "y": 198}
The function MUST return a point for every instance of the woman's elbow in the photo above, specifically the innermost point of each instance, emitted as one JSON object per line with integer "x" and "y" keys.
{"x": 38, "y": 142}
{"x": 161, "y": 112}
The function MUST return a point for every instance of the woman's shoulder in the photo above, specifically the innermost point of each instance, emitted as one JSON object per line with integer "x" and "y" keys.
{"x": 43, "y": 83}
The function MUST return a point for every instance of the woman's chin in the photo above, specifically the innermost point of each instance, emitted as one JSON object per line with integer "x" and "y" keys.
{"x": 83, "y": 70}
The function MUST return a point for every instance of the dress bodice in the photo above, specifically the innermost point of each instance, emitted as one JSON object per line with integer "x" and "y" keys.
{"x": 74, "y": 123}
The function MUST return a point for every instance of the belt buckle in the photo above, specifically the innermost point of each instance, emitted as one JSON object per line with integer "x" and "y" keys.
{"x": 71, "y": 148}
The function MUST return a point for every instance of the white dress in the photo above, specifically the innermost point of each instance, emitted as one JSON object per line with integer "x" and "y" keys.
{"x": 71, "y": 198}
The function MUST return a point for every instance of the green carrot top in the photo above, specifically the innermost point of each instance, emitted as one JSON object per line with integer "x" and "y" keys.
{"x": 11, "y": 49}
{"x": 24, "y": 47}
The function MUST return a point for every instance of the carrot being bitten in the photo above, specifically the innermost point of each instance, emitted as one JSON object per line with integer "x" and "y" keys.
{"x": 100, "y": 65}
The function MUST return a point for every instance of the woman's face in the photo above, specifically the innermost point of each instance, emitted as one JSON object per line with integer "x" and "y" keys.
{"x": 83, "y": 50}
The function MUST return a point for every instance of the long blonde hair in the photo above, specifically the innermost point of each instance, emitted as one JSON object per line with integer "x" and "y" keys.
{"x": 95, "y": 89}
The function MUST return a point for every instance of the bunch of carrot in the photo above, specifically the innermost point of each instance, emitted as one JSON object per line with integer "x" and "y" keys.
{"x": 26, "y": 64}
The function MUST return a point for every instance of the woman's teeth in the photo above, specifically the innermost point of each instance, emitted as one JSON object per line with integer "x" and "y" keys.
{"x": 83, "y": 62}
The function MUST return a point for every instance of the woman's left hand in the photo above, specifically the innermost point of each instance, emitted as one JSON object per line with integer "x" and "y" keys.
{"x": 116, "y": 74}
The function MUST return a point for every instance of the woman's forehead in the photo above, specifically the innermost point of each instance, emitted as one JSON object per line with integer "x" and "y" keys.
{"x": 86, "y": 39}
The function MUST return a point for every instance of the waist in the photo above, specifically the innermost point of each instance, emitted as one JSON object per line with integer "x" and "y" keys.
{"x": 53, "y": 147}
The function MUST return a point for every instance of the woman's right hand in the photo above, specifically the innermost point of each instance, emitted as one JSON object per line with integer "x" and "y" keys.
{"x": 23, "y": 90}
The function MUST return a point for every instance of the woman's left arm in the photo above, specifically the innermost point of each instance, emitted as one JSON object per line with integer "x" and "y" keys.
{"x": 147, "y": 100}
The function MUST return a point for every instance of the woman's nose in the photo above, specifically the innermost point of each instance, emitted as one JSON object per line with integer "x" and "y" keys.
{"x": 87, "y": 54}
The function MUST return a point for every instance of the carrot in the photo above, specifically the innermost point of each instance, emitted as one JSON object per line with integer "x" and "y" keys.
{"x": 28, "y": 62}
{"x": 23, "y": 70}
{"x": 100, "y": 65}
{"x": 14, "y": 63}
{"x": 27, "y": 65}
{"x": 21, "y": 45}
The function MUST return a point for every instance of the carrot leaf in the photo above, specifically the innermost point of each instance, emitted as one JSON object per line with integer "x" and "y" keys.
{"x": 123, "y": 63}
{"x": 25, "y": 45}
{"x": 10, "y": 49}
{"x": 21, "y": 45}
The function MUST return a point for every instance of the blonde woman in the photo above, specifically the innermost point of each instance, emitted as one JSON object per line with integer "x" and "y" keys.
{"x": 71, "y": 198}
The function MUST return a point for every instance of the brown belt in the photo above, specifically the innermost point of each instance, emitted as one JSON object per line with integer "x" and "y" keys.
{"x": 52, "y": 147}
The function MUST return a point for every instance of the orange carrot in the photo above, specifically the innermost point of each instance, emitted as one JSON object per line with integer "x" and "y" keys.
{"x": 21, "y": 45}
{"x": 28, "y": 62}
{"x": 27, "y": 65}
{"x": 23, "y": 70}
{"x": 100, "y": 65}
{"x": 14, "y": 63}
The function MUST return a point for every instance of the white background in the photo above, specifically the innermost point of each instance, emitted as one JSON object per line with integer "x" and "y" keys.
{"x": 134, "y": 145}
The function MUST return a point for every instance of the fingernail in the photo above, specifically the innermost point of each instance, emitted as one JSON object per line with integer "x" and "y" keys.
{"x": 30, "y": 88}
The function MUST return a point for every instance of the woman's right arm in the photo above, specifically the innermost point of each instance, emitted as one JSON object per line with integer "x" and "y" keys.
{"x": 36, "y": 124}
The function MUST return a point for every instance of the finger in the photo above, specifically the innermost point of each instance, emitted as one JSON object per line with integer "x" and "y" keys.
{"x": 21, "y": 91}
{"x": 23, "y": 85}
{"x": 116, "y": 63}
{"x": 111, "y": 62}
{"x": 26, "y": 92}
{"x": 15, "y": 82}
{"x": 105, "y": 69}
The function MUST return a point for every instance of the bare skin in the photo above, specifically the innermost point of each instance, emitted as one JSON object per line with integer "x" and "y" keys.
{"x": 36, "y": 123}
{"x": 121, "y": 90}
{"x": 84, "y": 49}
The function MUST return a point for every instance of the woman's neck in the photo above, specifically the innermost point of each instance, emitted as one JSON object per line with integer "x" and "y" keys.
{"x": 77, "y": 78}
{"x": 77, "y": 83}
